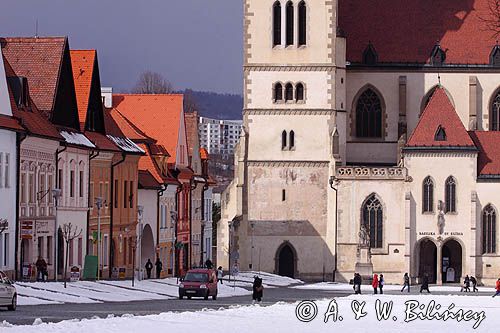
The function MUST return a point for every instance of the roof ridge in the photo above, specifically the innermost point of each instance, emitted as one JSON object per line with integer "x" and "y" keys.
{"x": 127, "y": 94}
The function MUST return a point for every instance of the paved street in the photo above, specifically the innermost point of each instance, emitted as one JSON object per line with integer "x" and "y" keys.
{"x": 54, "y": 313}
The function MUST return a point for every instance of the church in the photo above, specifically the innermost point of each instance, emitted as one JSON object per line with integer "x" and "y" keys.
{"x": 370, "y": 142}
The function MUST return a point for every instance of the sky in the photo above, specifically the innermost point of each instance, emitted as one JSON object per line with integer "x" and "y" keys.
{"x": 195, "y": 44}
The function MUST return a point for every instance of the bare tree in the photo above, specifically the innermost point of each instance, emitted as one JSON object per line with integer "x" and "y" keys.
{"x": 152, "y": 83}
{"x": 70, "y": 232}
{"x": 190, "y": 104}
{"x": 3, "y": 225}
{"x": 493, "y": 20}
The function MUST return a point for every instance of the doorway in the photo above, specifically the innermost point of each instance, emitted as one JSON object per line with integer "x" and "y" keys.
{"x": 428, "y": 260}
{"x": 452, "y": 261}
{"x": 286, "y": 260}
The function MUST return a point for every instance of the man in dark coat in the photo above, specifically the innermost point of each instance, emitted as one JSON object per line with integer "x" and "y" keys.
{"x": 357, "y": 283}
{"x": 425, "y": 284}
{"x": 149, "y": 267}
{"x": 159, "y": 267}
{"x": 258, "y": 289}
{"x": 41, "y": 267}
{"x": 474, "y": 284}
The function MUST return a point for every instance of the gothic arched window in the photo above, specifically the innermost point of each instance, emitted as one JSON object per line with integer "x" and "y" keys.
{"x": 299, "y": 92}
{"x": 289, "y": 23}
{"x": 369, "y": 115}
{"x": 302, "y": 23}
{"x": 283, "y": 140}
{"x": 288, "y": 92}
{"x": 495, "y": 113}
{"x": 278, "y": 92}
{"x": 277, "y": 23}
{"x": 489, "y": 229}
{"x": 450, "y": 195}
{"x": 428, "y": 195}
{"x": 440, "y": 134}
{"x": 292, "y": 139}
{"x": 373, "y": 220}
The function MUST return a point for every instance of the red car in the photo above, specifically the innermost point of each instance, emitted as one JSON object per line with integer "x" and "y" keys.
{"x": 199, "y": 283}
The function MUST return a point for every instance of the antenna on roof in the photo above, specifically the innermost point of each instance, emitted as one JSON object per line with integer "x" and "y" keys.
{"x": 36, "y": 29}
{"x": 439, "y": 79}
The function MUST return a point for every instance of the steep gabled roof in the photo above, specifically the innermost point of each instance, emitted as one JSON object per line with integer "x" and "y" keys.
{"x": 158, "y": 116}
{"x": 128, "y": 128}
{"x": 192, "y": 131}
{"x": 439, "y": 126}
{"x": 82, "y": 62}
{"x": 407, "y": 31}
{"x": 488, "y": 144}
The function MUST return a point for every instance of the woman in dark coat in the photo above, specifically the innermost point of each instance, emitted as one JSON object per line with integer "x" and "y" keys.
{"x": 258, "y": 289}
{"x": 425, "y": 284}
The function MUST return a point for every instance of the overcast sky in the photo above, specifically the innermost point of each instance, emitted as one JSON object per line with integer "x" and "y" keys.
{"x": 194, "y": 43}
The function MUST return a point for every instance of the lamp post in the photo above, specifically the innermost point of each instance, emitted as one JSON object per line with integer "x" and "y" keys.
{"x": 56, "y": 194}
{"x": 230, "y": 224}
{"x": 334, "y": 184}
{"x": 252, "y": 225}
{"x": 98, "y": 203}
{"x": 173, "y": 221}
{"x": 140, "y": 215}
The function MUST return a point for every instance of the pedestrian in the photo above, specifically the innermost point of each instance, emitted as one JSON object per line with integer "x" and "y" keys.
{"x": 425, "y": 284}
{"x": 497, "y": 288}
{"x": 208, "y": 264}
{"x": 474, "y": 284}
{"x": 381, "y": 283}
{"x": 149, "y": 268}
{"x": 258, "y": 289}
{"x": 375, "y": 283}
{"x": 466, "y": 286}
{"x": 159, "y": 267}
{"x": 406, "y": 282}
{"x": 41, "y": 267}
{"x": 357, "y": 283}
{"x": 220, "y": 274}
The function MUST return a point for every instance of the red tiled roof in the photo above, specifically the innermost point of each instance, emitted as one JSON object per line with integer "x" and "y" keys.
{"x": 146, "y": 163}
{"x": 191, "y": 119}
{"x": 82, "y": 62}
{"x": 38, "y": 59}
{"x": 101, "y": 141}
{"x": 488, "y": 143}
{"x": 440, "y": 113}
{"x": 128, "y": 128}
{"x": 10, "y": 123}
{"x": 158, "y": 116}
{"x": 158, "y": 150}
{"x": 148, "y": 181}
{"x": 406, "y": 31}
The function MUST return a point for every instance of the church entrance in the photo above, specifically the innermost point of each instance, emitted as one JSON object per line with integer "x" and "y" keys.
{"x": 428, "y": 260}
{"x": 286, "y": 261}
{"x": 452, "y": 261}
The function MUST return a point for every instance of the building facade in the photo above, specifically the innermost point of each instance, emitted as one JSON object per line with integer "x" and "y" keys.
{"x": 330, "y": 178}
{"x": 219, "y": 136}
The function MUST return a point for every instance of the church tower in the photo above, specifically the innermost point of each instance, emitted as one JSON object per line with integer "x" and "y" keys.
{"x": 295, "y": 123}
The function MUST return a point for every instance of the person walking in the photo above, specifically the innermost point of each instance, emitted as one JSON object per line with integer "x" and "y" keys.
{"x": 406, "y": 282}
{"x": 41, "y": 268}
{"x": 357, "y": 283}
{"x": 381, "y": 283}
{"x": 149, "y": 268}
{"x": 474, "y": 284}
{"x": 466, "y": 287}
{"x": 497, "y": 288}
{"x": 425, "y": 284}
{"x": 220, "y": 274}
{"x": 258, "y": 289}
{"x": 375, "y": 283}
{"x": 159, "y": 267}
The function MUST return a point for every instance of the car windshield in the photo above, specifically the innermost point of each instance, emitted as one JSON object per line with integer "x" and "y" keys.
{"x": 196, "y": 277}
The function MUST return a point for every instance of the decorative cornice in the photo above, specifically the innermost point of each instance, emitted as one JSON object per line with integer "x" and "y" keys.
{"x": 439, "y": 151}
{"x": 291, "y": 112}
{"x": 291, "y": 68}
{"x": 310, "y": 164}
{"x": 372, "y": 173}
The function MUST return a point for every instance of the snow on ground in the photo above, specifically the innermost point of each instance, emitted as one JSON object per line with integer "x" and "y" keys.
{"x": 388, "y": 287}
{"x": 282, "y": 317}
{"x": 267, "y": 278}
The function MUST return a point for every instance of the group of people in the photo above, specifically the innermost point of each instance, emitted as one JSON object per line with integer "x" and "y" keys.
{"x": 42, "y": 274}
{"x": 378, "y": 283}
{"x": 149, "y": 268}
{"x": 467, "y": 282}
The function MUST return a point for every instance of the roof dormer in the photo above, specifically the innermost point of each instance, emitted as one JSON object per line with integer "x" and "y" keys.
{"x": 495, "y": 56}
{"x": 370, "y": 56}
{"x": 438, "y": 55}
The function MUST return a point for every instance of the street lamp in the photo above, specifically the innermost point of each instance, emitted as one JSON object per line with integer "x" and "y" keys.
{"x": 56, "y": 194}
{"x": 334, "y": 183}
{"x": 140, "y": 214}
{"x": 252, "y": 225}
{"x": 99, "y": 203}
{"x": 173, "y": 222}
{"x": 230, "y": 224}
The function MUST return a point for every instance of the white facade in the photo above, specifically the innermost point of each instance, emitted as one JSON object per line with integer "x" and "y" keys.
{"x": 168, "y": 213}
{"x": 147, "y": 227}
{"x": 219, "y": 136}
{"x": 207, "y": 221}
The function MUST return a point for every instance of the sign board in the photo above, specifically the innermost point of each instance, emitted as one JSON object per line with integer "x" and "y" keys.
{"x": 42, "y": 228}
{"x": 450, "y": 275}
{"x": 90, "y": 268}
{"x": 114, "y": 272}
{"x": 121, "y": 272}
{"x": 26, "y": 229}
{"x": 75, "y": 274}
{"x": 236, "y": 270}
{"x": 26, "y": 271}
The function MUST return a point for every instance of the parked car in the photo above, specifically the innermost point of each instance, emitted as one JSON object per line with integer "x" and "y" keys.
{"x": 8, "y": 294}
{"x": 199, "y": 283}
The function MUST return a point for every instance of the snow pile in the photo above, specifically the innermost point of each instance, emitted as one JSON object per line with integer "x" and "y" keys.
{"x": 246, "y": 277}
{"x": 125, "y": 144}
{"x": 76, "y": 139}
{"x": 481, "y": 312}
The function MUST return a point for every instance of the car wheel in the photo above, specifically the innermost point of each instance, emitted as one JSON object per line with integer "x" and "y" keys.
{"x": 13, "y": 306}
{"x": 214, "y": 297}
{"x": 189, "y": 297}
{"x": 206, "y": 295}
{"x": 181, "y": 296}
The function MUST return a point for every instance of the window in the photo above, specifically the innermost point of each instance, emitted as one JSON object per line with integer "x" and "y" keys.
{"x": 40, "y": 246}
{"x": 495, "y": 56}
{"x": 373, "y": 220}
{"x": 49, "y": 249}
{"x": 278, "y": 92}
{"x": 116, "y": 193}
{"x": 299, "y": 92}
{"x": 5, "y": 249}
{"x": 7, "y": 170}
{"x": 277, "y": 23}
{"x": 370, "y": 56}
{"x": 23, "y": 188}
{"x": 292, "y": 139}
{"x": 70, "y": 252}
{"x": 41, "y": 185}
{"x": 489, "y": 229}
{"x": 438, "y": 55}
{"x": 105, "y": 251}
{"x": 450, "y": 194}
{"x": 288, "y": 92}
{"x": 50, "y": 187}
{"x": 1, "y": 170}
{"x": 80, "y": 251}
{"x": 81, "y": 184}
{"x": 283, "y": 195}
{"x": 495, "y": 113}
{"x": 106, "y": 194}
{"x": 72, "y": 184}
{"x": 428, "y": 195}
{"x": 131, "y": 198}
{"x": 31, "y": 187}
{"x": 91, "y": 195}
{"x": 302, "y": 23}
{"x": 369, "y": 115}
{"x": 283, "y": 140}
{"x": 440, "y": 134}
{"x": 125, "y": 197}
{"x": 289, "y": 23}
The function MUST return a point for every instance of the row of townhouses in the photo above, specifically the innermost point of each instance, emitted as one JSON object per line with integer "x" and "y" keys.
{"x": 95, "y": 182}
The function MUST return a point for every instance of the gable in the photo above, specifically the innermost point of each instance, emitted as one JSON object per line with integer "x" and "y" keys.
{"x": 5, "y": 108}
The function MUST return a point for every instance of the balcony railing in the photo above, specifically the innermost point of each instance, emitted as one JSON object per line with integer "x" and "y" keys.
{"x": 372, "y": 173}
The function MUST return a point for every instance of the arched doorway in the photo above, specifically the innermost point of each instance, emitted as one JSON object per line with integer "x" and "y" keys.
{"x": 147, "y": 245}
{"x": 427, "y": 260}
{"x": 286, "y": 260}
{"x": 452, "y": 261}
{"x": 60, "y": 252}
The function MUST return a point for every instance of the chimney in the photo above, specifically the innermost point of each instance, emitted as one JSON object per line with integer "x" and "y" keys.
{"x": 107, "y": 96}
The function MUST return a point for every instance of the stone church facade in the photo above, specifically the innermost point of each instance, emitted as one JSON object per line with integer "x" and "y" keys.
{"x": 385, "y": 118}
